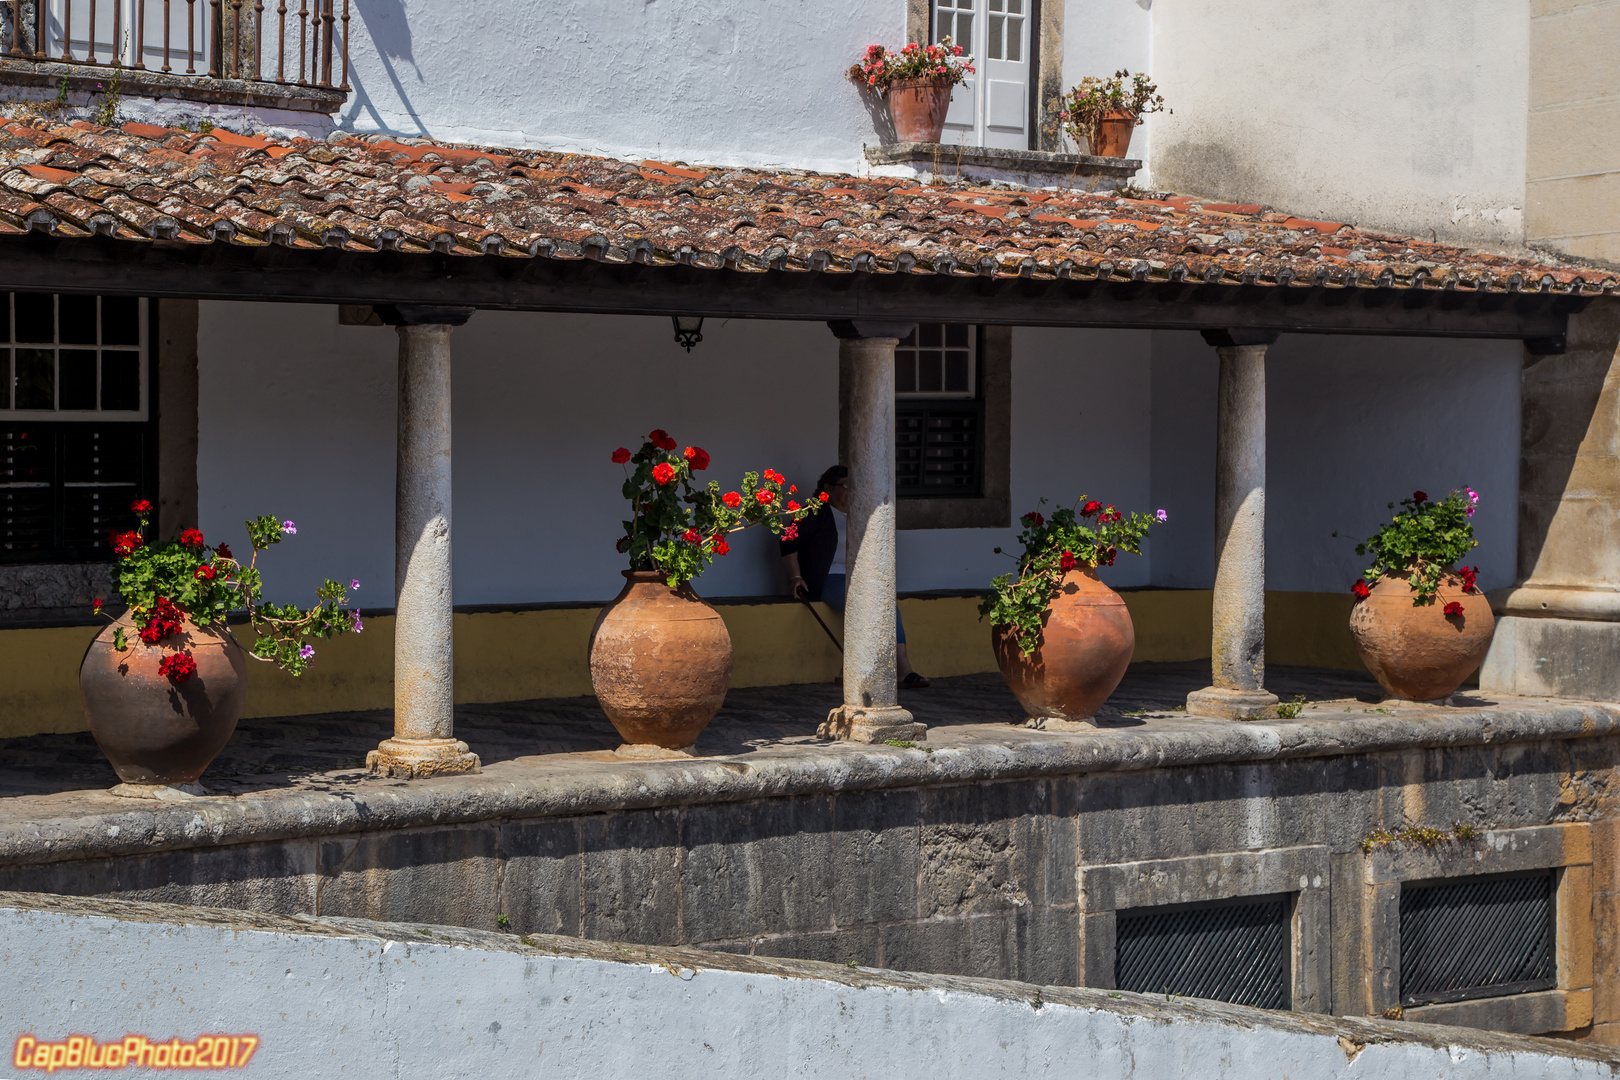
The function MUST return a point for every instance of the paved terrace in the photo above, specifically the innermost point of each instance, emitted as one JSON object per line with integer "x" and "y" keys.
{"x": 282, "y": 777}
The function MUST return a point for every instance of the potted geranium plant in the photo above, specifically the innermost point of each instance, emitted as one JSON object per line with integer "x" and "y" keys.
{"x": 660, "y": 656}
{"x": 163, "y": 684}
{"x": 1419, "y": 620}
{"x": 917, "y": 82}
{"x": 1102, "y": 113}
{"x": 1063, "y": 639}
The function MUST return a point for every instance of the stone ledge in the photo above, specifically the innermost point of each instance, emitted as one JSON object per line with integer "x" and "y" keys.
{"x": 157, "y": 84}
{"x": 43, "y": 914}
{"x": 1084, "y": 171}
{"x": 94, "y": 824}
{"x": 1545, "y": 1010}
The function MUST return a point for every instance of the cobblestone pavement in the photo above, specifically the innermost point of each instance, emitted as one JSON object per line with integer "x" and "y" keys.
{"x": 328, "y": 750}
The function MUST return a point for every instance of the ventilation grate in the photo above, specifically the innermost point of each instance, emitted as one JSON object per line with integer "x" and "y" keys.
{"x": 1233, "y": 951}
{"x": 1477, "y": 937}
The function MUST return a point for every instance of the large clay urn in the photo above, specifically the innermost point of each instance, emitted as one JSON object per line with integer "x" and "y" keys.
{"x": 660, "y": 662}
{"x": 1086, "y": 645}
{"x": 1421, "y": 653}
{"x": 917, "y": 107}
{"x": 1113, "y": 134}
{"x": 153, "y": 729}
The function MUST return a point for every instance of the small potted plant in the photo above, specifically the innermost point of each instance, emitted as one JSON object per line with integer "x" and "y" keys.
{"x": 917, "y": 82}
{"x": 1102, "y": 113}
{"x": 163, "y": 684}
{"x": 1063, "y": 639}
{"x": 660, "y": 656}
{"x": 1419, "y": 620}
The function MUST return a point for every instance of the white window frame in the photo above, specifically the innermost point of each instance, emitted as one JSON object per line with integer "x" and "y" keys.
{"x": 903, "y": 352}
{"x": 69, "y": 415}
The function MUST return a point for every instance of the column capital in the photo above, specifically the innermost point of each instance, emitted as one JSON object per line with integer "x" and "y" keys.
{"x": 423, "y": 314}
{"x": 1238, "y": 337}
{"x": 851, "y": 329}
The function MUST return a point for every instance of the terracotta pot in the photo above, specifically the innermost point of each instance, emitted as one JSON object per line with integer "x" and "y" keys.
{"x": 1113, "y": 137}
{"x": 660, "y": 662}
{"x": 1421, "y": 653}
{"x": 1086, "y": 645}
{"x": 917, "y": 107}
{"x": 155, "y": 730}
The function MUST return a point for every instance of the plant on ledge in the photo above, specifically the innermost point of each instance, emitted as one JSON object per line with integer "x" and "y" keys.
{"x": 917, "y": 82}
{"x": 677, "y": 527}
{"x": 1100, "y": 113}
{"x": 1062, "y": 638}
{"x": 186, "y": 579}
{"x": 660, "y": 656}
{"x": 1418, "y": 620}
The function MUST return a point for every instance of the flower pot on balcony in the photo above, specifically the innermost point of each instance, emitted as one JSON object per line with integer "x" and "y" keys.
{"x": 917, "y": 107}
{"x": 1113, "y": 134}
{"x": 660, "y": 663}
{"x": 1086, "y": 643}
{"x": 153, "y": 728}
{"x": 1421, "y": 653}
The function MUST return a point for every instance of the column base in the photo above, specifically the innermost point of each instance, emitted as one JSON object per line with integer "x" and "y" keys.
{"x": 849, "y": 723}
{"x": 1553, "y": 657}
{"x": 418, "y": 759}
{"x": 1225, "y": 703}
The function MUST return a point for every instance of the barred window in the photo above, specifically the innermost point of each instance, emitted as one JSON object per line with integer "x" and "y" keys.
{"x": 76, "y": 433}
{"x": 939, "y": 413}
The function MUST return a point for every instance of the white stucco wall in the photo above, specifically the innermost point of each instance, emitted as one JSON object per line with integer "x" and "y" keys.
{"x": 345, "y": 998}
{"x": 1351, "y": 425}
{"x": 1401, "y": 114}
{"x": 694, "y": 80}
{"x": 1099, "y": 38}
{"x": 297, "y": 420}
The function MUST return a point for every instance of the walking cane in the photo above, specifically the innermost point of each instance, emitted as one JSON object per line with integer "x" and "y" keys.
{"x": 823, "y": 625}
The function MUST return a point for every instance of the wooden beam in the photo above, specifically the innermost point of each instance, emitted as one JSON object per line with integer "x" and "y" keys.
{"x": 275, "y": 273}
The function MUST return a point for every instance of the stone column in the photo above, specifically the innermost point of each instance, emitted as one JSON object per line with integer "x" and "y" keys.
{"x": 1239, "y": 646}
{"x": 424, "y": 742}
{"x": 1558, "y": 627}
{"x": 871, "y": 712}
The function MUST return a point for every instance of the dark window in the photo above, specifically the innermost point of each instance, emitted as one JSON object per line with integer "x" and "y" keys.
{"x": 939, "y": 413}
{"x": 1477, "y": 937}
{"x": 77, "y": 441}
{"x": 1234, "y": 951}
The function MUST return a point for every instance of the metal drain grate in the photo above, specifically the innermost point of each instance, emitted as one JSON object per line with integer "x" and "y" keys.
{"x": 1234, "y": 951}
{"x": 1477, "y": 937}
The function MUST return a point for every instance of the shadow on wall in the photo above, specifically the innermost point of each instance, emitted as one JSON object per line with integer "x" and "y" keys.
{"x": 877, "y": 109}
{"x": 385, "y": 21}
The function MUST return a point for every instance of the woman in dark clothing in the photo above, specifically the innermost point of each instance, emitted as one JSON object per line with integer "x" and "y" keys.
{"x": 817, "y": 569}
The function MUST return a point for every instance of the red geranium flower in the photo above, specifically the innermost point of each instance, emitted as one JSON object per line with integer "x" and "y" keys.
{"x": 178, "y": 667}
{"x": 793, "y": 489}
{"x": 140, "y": 506}
{"x": 1360, "y": 589}
{"x": 620, "y": 456}
{"x": 1034, "y": 518}
{"x": 222, "y": 551}
{"x": 731, "y": 499}
{"x": 205, "y": 572}
{"x": 1469, "y": 575}
{"x": 162, "y": 621}
{"x": 765, "y": 498}
{"x": 124, "y": 543}
{"x": 96, "y": 603}
{"x": 192, "y": 538}
{"x": 719, "y": 545}
{"x": 1420, "y": 496}
{"x": 822, "y": 496}
{"x": 1454, "y": 608}
{"x": 663, "y": 472}
{"x": 1090, "y": 508}
{"x": 773, "y": 476}
{"x": 698, "y": 458}
{"x": 660, "y": 438}
{"x": 792, "y": 505}
{"x": 1066, "y": 561}
{"x": 791, "y": 532}
{"x": 1113, "y": 553}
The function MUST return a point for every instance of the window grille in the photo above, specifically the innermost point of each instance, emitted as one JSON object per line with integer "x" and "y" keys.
{"x": 1236, "y": 951}
{"x": 1005, "y": 30}
{"x": 1477, "y": 937}
{"x": 939, "y": 417}
{"x": 77, "y": 444}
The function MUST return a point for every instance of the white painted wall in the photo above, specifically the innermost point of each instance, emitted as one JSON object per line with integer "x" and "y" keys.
{"x": 331, "y": 998}
{"x": 1400, "y": 114}
{"x": 696, "y": 80}
{"x": 1099, "y": 38}
{"x": 1351, "y": 425}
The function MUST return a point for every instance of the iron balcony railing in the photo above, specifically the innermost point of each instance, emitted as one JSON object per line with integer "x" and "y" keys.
{"x": 222, "y": 39}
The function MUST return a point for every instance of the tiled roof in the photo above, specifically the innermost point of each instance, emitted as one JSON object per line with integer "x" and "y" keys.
{"x": 371, "y": 193}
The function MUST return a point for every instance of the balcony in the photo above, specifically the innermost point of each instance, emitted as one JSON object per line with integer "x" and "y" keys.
{"x": 236, "y": 52}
